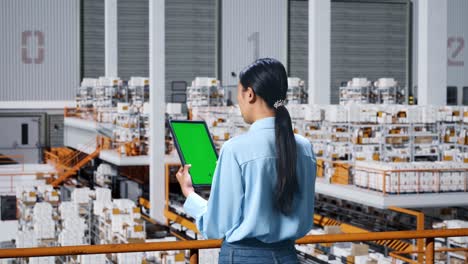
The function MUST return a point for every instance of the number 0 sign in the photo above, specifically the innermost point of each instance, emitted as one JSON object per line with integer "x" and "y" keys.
{"x": 26, "y": 37}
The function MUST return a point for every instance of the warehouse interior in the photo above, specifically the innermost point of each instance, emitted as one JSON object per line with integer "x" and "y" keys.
{"x": 379, "y": 87}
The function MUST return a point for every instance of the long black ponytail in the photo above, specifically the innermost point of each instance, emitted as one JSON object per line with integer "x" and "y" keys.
{"x": 268, "y": 79}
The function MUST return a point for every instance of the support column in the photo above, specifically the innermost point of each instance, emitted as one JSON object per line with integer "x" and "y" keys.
{"x": 110, "y": 38}
{"x": 157, "y": 104}
{"x": 319, "y": 51}
{"x": 432, "y": 52}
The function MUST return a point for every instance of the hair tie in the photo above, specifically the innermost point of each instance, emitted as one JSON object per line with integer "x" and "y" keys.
{"x": 279, "y": 103}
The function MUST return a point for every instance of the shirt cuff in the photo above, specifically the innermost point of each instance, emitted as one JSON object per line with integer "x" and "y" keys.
{"x": 195, "y": 205}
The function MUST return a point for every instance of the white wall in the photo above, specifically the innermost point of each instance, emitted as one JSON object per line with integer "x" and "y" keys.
{"x": 39, "y": 50}
{"x": 457, "y": 54}
{"x": 252, "y": 30}
{"x": 457, "y": 44}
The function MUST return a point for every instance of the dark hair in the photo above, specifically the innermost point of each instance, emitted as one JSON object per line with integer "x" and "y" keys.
{"x": 268, "y": 79}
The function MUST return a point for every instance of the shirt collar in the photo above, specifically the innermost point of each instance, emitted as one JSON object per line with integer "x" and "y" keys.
{"x": 264, "y": 123}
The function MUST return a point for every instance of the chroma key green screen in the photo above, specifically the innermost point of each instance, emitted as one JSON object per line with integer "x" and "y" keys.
{"x": 196, "y": 148}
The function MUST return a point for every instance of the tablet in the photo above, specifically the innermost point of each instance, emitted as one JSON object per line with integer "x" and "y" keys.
{"x": 195, "y": 146}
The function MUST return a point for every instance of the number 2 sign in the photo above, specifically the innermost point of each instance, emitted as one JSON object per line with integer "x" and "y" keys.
{"x": 455, "y": 46}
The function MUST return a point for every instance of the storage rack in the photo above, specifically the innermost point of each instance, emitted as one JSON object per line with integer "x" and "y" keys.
{"x": 362, "y": 91}
{"x": 425, "y": 142}
{"x": 396, "y": 145}
{"x": 358, "y": 95}
{"x": 386, "y": 133}
{"x": 357, "y": 91}
{"x": 138, "y": 92}
{"x": 127, "y": 133}
{"x": 205, "y": 92}
{"x": 389, "y": 92}
{"x": 85, "y": 98}
{"x": 366, "y": 139}
{"x": 337, "y": 158}
{"x": 144, "y": 131}
{"x": 296, "y": 93}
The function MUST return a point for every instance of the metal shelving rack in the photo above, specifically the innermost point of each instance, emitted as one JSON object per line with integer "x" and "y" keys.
{"x": 85, "y": 211}
{"x": 425, "y": 142}
{"x": 338, "y": 151}
{"x": 126, "y": 131}
{"x": 396, "y": 143}
{"x": 313, "y": 131}
{"x": 390, "y": 95}
{"x": 357, "y": 95}
{"x": 366, "y": 138}
{"x": 448, "y": 141}
{"x": 455, "y": 255}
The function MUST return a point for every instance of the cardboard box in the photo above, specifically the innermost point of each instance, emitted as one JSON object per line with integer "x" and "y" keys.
{"x": 341, "y": 173}
{"x": 320, "y": 167}
{"x": 359, "y": 249}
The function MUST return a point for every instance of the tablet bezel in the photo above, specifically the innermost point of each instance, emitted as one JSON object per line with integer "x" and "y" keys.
{"x": 179, "y": 151}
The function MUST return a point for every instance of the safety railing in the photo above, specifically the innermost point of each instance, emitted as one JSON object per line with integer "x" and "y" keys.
{"x": 121, "y": 148}
{"x": 69, "y": 161}
{"x": 82, "y": 113}
{"x": 428, "y": 235}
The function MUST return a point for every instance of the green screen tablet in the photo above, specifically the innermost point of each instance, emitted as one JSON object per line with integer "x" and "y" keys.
{"x": 195, "y": 146}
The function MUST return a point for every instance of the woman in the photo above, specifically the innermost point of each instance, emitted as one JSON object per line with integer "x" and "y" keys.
{"x": 262, "y": 196}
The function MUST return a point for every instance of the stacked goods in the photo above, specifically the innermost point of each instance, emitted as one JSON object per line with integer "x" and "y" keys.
{"x": 44, "y": 225}
{"x": 390, "y": 133}
{"x": 104, "y": 174}
{"x": 92, "y": 259}
{"x": 73, "y": 231}
{"x": 26, "y": 239}
{"x": 296, "y": 93}
{"x": 119, "y": 220}
{"x": 126, "y": 133}
{"x": 357, "y": 91}
{"x": 48, "y": 193}
{"x": 138, "y": 92}
{"x": 411, "y": 177}
{"x": 205, "y": 92}
{"x": 123, "y": 109}
{"x": 223, "y": 122}
{"x": 362, "y": 91}
{"x": 73, "y": 225}
{"x": 85, "y": 98}
{"x": 388, "y": 91}
{"x": 26, "y": 194}
{"x": 341, "y": 173}
{"x": 81, "y": 195}
{"x": 108, "y": 92}
{"x": 42, "y": 260}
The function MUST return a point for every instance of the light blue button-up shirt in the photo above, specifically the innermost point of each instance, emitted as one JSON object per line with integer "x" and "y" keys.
{"x": 242, "y": 202}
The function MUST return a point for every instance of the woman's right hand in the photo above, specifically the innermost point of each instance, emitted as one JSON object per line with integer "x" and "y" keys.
{"x": 185, "y": 180}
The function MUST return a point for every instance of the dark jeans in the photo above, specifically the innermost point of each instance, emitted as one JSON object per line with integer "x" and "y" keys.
{"x": 254, "y": 251}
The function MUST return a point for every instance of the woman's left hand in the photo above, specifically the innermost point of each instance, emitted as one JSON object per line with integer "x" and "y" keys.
{"x": 185, "y": 180}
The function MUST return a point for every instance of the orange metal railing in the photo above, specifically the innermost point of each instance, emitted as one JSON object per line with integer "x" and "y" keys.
{"x": 194, "y": 246}
{"x": 419, "y": 226}
{"x": 127, "y": 148}
{"x": 82, "y": 113}
{"x": 69, "y": 165}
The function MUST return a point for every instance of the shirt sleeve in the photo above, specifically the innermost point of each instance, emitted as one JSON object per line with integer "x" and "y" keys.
{"x": 221, "y": 214}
